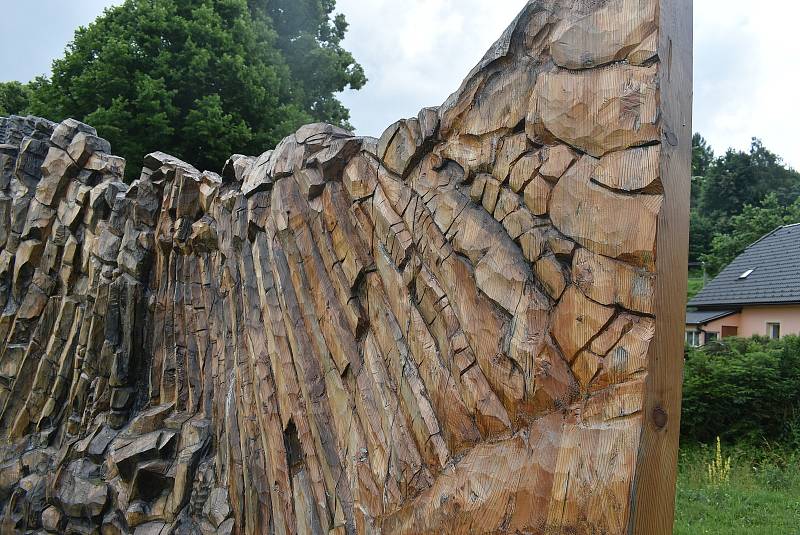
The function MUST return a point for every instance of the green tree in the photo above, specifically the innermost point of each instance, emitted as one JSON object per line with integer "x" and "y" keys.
{"x": 200, "y": 79}
{"x": 701, "y": 233}
{"x": 747, "y": 227}
{"x": 310, "y": 38}
{"x": 739, "y": 178}
{"x": 701, "y": 227}
{"x": 722, "y": 187}
{"x": 14, "y": 98}
{"x": 702, "y": 155}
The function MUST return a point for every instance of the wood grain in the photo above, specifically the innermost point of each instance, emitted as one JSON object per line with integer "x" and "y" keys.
{"x": 653, "y": 499}
{"x": 469, "y": 325}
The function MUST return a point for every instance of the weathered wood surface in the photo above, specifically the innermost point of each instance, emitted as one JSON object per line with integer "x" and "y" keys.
{"x": 466, "y": 326}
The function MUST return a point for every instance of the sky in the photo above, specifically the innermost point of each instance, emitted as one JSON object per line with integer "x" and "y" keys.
{"x": 416, "y": 52}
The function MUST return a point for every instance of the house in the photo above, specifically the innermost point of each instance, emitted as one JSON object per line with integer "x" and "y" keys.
{"x": 757, "y": 294}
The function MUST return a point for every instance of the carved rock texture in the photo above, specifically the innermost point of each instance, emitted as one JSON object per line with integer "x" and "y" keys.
{"x": 444, "y": 330}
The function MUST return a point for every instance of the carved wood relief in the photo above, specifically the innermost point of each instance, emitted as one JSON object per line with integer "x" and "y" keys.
{"x": 464, "y": 326}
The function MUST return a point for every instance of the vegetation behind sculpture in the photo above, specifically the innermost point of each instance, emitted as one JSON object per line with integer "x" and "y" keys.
{"x": 736, "y": 199}
{"x": 200, "y": 79}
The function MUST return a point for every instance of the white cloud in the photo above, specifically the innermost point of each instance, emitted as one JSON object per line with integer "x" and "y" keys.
{"x": 34, "y": 33}
{"x": 747, "y": 74}
{"x": 416, "y": 52}
{"x": 747, "y": 63}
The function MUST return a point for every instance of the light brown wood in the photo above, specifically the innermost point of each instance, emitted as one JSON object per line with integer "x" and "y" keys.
{"x": 607, "y": 35}
{"x": 469, "y": 325}
{"x": 598, "y": 110}
{"x": 653, "y": 501}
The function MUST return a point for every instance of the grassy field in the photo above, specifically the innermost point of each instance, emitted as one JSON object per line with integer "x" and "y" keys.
{"x": 695, "y": 283}
{"x": 761, "y": 495}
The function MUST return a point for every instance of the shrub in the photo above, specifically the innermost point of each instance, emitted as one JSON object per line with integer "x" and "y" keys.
{"x": 743, "y": 390}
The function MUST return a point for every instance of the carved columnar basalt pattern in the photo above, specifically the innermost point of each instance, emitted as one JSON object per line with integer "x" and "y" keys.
{"x": 444, "y": 330}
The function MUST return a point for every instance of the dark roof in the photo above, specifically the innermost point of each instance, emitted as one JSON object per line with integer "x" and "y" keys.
{"x": 775, "y": 279}
{"x": 705, "y": 316}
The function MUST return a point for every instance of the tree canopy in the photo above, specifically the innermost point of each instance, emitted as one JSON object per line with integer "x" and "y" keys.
{"x": 702, "y": 155}
{"x": 310, "y": 40}
{"x": 14, "y": 98}
{"x": 748, "y": 226}
{"x": 739, "y": 178}
{"x": 202, "y": 79}
{"x": 737, "y": 198}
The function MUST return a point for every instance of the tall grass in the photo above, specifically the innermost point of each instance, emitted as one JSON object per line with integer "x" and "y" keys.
{"x": 759, "y": 495}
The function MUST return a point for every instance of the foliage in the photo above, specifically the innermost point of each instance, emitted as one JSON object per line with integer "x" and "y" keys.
{"x": 696, "y": 283}
{"x": 742, "y": 390}
{"x": 14, "y": 98}
{"x": 751, "y": 224}
{"x": 761, "y": 497}
{"x": 723, "y": 188}
{"x": 740, "y": 178}
{"x": 702, "y": 155}
{"x": 202, "y": 79}
{"x": 701, "y": 234}
{"x": 310, "y": 40}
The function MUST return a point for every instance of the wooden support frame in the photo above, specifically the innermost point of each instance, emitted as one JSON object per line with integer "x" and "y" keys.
{"x": 653, "y": 495}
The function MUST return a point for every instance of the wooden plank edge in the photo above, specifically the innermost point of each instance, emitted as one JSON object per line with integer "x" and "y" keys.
{"x": 653, "y": 492}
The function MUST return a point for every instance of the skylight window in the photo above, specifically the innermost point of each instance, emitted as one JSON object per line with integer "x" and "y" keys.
{"x": 746, "y": 274}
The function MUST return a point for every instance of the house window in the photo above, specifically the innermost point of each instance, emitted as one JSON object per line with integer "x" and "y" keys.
{"x": 774, "y": 330}
{"x": 711, "y": 337}
{"x": 693, "y": 338}
{"x": 728, "y": 331}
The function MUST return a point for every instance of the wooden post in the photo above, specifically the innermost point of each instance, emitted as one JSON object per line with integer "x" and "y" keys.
{"x": 654, "y": 490}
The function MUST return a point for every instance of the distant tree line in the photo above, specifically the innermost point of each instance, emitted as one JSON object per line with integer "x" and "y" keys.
{"x": 200, "y": 79}
{"x": 736, "y": 199}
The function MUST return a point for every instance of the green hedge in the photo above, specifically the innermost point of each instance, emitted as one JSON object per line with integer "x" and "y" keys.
{"x": 743, "y": 390}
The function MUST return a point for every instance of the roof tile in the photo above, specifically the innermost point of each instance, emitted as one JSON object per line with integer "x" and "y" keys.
{"x": 775, "y": 261}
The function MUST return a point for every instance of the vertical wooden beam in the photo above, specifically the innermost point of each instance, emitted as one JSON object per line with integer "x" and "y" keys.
{"x": 653, "y": 495}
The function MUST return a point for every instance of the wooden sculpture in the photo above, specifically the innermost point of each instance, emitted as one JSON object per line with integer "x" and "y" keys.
{"x": 471, "y": 325}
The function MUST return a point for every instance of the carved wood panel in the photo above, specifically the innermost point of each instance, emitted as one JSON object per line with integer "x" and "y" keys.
{"x": 469, "y": 325}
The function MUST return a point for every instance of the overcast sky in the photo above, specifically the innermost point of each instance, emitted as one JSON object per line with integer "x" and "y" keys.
{"x": 416, "y": 52}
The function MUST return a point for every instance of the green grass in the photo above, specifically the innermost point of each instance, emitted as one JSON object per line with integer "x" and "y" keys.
{"x": 761, "y": 495}
{"x": 695, "y": 284}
